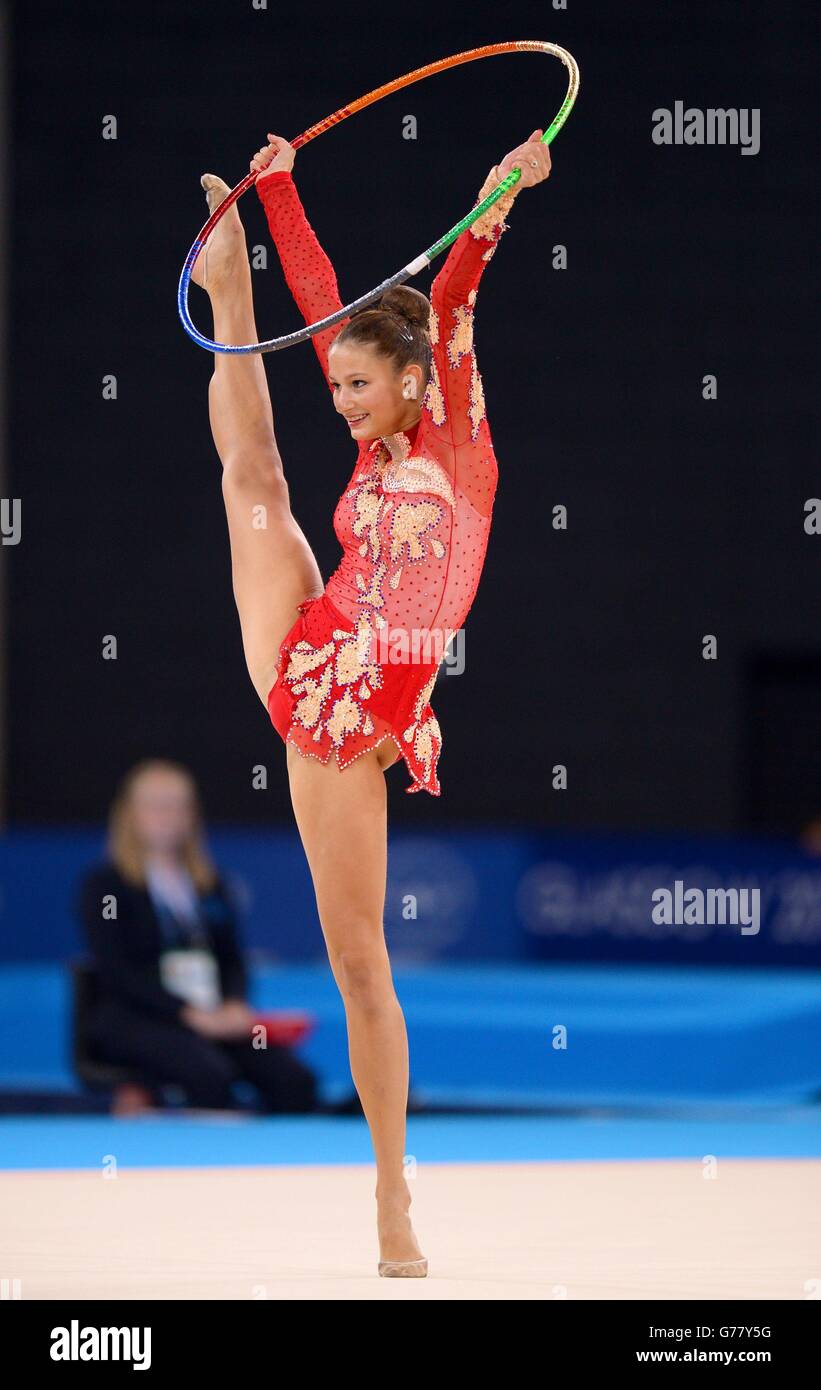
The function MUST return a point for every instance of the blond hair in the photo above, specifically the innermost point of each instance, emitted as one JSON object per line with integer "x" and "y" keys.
{"x": 123, "y": 841}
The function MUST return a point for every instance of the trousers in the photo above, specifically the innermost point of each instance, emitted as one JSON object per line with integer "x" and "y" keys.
{"x": 205, "y": 1068}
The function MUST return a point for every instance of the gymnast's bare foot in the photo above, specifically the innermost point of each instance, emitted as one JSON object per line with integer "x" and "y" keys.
{"x": 225, "y": 251}
{"x": 396, "y": 1238}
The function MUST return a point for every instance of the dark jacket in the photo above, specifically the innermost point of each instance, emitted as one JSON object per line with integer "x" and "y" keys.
{"x": 127, "y": 950}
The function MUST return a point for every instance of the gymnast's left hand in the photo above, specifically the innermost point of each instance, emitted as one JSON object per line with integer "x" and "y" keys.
{"x": 532, "y": 157}
{"x": 271, "y": 158}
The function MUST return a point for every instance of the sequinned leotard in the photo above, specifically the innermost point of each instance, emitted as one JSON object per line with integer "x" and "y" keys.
{"x": 360, "y": 663}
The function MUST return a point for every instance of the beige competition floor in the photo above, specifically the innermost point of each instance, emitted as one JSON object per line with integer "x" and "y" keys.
{"x": 595, "y": 1230}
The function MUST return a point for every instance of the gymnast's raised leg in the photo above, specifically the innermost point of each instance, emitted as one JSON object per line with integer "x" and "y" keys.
{"x": 274, "y": 568}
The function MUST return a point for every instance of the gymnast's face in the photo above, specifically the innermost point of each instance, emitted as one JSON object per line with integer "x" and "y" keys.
{"x": 368, "y": 390}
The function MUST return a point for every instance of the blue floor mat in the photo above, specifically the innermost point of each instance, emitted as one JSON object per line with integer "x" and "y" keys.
{"x": 195, "y": 1142}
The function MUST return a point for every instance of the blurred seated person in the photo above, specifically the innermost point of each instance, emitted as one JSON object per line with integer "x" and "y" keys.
{"x": 161, "y": 929}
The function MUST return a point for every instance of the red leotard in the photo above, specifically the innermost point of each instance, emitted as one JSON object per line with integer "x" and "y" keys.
{"x": 360, "y": 663}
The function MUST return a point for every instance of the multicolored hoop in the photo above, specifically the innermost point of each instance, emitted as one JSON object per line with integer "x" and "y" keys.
{"x": 413, "y": 267}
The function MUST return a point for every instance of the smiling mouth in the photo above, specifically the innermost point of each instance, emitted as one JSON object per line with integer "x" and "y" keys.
{"x": 356, "y": 419}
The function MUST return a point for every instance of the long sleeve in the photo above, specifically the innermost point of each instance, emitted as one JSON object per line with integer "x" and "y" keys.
{"x": 227, "y": 950}
{"x": 123, "y": 973}
{"x": 309, "y": 274}
{"x": 453, "y": 298}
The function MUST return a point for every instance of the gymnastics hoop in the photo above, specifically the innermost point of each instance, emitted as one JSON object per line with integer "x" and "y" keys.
{"x": 413, "y": 267}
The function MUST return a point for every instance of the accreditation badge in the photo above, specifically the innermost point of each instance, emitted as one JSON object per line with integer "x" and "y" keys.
{"x": 192, "y": 975}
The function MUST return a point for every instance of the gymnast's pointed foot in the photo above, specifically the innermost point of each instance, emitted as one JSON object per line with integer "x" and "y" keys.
{"x": 225, "y": 251}
{"x": 399, "y": 1253}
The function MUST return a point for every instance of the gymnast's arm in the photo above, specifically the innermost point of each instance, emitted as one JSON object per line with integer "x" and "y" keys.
{"x": 308, "y": 271}
{"x": 453, "y": 296}
{"x": 454, "y": 288}
{"x": 457, "y": 395}
{"x": 455, "y": 392}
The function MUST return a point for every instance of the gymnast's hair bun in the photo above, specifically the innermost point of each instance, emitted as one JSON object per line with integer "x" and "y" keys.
{"x": 408, "y": 308}
{"x": 408, "y": 303}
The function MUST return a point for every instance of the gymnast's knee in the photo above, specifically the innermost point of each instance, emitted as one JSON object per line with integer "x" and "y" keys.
{"x": 365, "y": 977}
{"x": 256, "y": 466}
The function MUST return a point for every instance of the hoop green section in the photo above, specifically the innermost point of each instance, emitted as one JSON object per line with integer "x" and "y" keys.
{"x": 515, "y": 174}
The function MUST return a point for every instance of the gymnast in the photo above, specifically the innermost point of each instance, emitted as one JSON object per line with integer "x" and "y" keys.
{"x": 339, "y": 665}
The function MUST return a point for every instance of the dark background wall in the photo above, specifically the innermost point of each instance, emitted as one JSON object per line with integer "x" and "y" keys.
{"x": 685, "y": 516}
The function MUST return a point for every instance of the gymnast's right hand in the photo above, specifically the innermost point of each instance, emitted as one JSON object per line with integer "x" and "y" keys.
{"x": 276, "y": 155}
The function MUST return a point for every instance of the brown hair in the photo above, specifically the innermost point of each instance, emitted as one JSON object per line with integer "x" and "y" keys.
{"x": 124, "y": 845}
{"x": 397, "y": 326}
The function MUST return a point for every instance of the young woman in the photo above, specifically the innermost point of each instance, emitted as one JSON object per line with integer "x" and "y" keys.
{"x": 171, "y": 994}
{"x": 347, "y": 684}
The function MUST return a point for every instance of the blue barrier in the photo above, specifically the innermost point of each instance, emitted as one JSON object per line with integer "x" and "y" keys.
{"x": 476, "y": 895}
